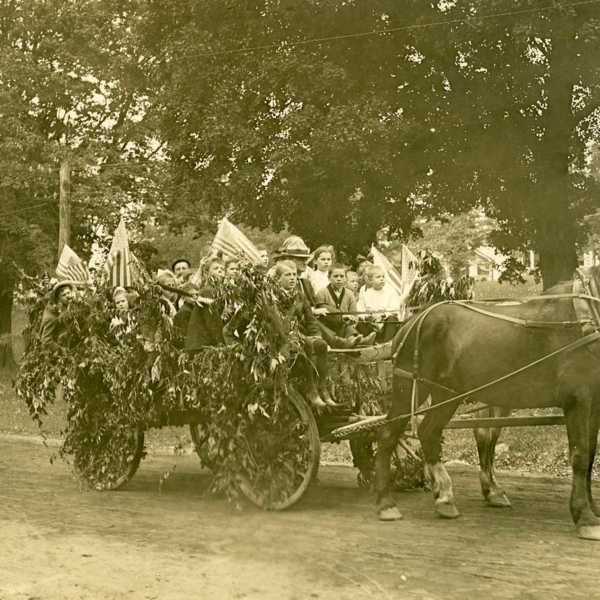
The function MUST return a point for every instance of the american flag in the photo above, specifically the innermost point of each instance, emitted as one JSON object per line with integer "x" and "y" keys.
{"x": 232, "y": 242}
{"x": 392, "y": 277}
{"x": 70, "y": 266}
{"x": 117, "y": 261}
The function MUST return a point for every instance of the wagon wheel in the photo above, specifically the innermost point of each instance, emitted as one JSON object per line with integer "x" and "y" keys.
{"x": 283, "y": 463}
{"x": 112, "y": 460}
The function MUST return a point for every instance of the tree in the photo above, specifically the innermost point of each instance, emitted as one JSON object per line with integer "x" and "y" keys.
{"x": 73, "y": 84}
{"x": 440, "y": 108}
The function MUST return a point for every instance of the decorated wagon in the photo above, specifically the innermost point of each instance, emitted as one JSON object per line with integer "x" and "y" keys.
{"x": 123, "y": 373}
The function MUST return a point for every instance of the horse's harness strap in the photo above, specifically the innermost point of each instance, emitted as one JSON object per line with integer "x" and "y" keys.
{"x": 523, "y": 322}
{"x": 570, "y": 347}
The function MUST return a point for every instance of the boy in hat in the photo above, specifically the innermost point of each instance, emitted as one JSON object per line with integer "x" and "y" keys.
{"x": 181, "y": 268}
{"x": 60, "y": 296}
{"x": 295, "y": 308}
{"x": 294, "y": 248}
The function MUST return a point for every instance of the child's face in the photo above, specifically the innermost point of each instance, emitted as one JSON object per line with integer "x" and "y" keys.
{"x": 233, "y": 269}
{"x": 65, "y": 294}
{"x": 337, "y": 278}
{"x": 181, "y": 269}
{"x": 378, "y": 280}
{"x": 288, "y": 278}
{"x": 324, "y": 261}
{"x": 352, "y": 281}
{"x": 216, "y": 270}
{"x": 121, "y": 303}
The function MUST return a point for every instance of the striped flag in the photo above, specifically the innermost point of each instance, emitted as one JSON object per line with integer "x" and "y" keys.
{"x": 232, "y": 242}
{"x": 117, "y": 261}
{"x": 392, "y": 277}
{"x": 70, "y": 266}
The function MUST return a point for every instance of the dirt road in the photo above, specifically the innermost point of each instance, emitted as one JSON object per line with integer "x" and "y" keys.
{"x": 59, "y": 542}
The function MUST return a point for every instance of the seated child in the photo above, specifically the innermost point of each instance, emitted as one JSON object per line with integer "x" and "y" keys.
{"x": 232, "y": 268}
{"x": 295, "y": 308}
{"x": 339, "y": 299}
{"x": 378, "y": 296}
{"x": 318, "y": 275}
{"x": 352, "y": 282}
{"x": 205, "y": 326}
{"x": 121, "y": 299}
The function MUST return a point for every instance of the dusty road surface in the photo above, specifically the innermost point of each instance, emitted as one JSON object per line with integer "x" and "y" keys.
{"x": 59, "y": 542}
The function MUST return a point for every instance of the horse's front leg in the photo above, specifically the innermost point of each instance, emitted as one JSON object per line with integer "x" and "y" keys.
{"x": 486, "y": 448}
{"x": 593, "y": 445}
{"x": 578, "y": 413}
{"x": 430, "y": 435}
{"x": 387, "y": 441}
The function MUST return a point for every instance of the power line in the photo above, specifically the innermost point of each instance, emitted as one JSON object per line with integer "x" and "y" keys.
{"x": 24, "y": 209}
{"x": 363, "y": 34}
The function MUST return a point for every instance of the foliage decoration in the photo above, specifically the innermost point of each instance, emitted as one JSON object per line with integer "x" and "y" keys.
{"x": 121, "y": 375}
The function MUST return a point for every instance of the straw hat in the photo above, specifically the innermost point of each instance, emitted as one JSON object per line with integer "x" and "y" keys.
{"x": 63, "y": 283}
{"x": 294, "y": 247}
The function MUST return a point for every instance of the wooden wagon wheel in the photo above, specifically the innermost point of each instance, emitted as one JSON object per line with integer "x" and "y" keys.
{"x": 108, "y": 470}
{"x": 283, "y": 465}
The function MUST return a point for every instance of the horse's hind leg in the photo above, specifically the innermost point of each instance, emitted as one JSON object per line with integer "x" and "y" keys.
{"x": 430, "y": 435}
{"x": 486, "y": 447}
{"x": 578, "y": 415}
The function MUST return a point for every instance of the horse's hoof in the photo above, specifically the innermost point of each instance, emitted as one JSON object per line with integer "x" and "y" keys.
{"x": 498, "y": 500}
{"x": 446, "y": 510}
{"x": 589, "y": 532}
{"x": 389, "y": 514}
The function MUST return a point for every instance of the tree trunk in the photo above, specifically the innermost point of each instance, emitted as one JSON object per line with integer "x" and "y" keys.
{"x": 7, "y": 360}
{"x": 556, "y": 223}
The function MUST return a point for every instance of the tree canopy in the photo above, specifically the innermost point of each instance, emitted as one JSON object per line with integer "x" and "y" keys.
{"x": 331, "y": 118}
{"x": 340, "y": 117}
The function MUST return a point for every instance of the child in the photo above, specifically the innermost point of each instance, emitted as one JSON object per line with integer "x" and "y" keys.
{"x": 352, "y": 282}
{"x": 378, "y": 296}
{"x": 121, "y": 299}
{"x": 322, "y": 260}
{"x": 295, "y": 308}
{"x": 232, "y": 268}
{"x": 205, "y": 326}
{"x": 61, "y": 295}
{"x": 337, "y": 298}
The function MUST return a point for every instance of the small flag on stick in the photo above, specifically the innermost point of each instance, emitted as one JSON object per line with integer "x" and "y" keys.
{"x": 117, "y": 261}
{"x": 232, "y": 242}
{"x": 70, "y": 266}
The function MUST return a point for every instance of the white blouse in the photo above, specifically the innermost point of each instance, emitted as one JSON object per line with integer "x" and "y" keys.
{"x": 318, "y": 279}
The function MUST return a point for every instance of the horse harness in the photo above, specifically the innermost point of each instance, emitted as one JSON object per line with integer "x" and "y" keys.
{"x": 586, "y": 302}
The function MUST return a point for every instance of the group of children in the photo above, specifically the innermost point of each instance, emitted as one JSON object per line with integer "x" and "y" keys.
{"x": 332, "y": 306}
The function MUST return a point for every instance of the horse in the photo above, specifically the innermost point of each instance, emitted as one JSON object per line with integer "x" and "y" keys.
{"x": 537, "y": 353}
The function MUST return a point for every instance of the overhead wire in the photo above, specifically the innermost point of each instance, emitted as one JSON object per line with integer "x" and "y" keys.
{"x": 23, "y": 209}
{"x": 363, "y": 34}
{"x": 380, "y": 32}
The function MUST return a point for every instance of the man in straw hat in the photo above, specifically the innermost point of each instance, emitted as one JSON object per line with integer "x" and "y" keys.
{"x": 61, "y": 294}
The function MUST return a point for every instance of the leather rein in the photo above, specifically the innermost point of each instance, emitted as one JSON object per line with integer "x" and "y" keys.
{"x": 586, "y": 304}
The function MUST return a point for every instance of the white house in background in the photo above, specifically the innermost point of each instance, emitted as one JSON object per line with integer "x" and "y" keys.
{"x": 485, "y": 264}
